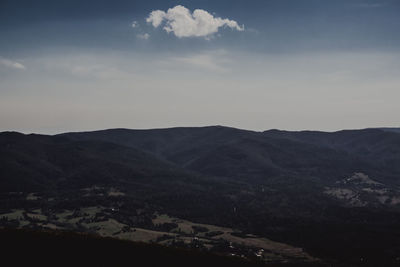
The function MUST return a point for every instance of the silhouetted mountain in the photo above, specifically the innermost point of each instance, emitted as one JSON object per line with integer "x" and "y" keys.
{"x": 231, "y": 152}
{"x": 379, "y": 149}
{"x": 394, "y": 130}
{"x": 295, "y": 187}
{"x": 38, "y": 162}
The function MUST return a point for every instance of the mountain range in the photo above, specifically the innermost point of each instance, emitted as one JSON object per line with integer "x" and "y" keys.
{"x": 335, "y": 194}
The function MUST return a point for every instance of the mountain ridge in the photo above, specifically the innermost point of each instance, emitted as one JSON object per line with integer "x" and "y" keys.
{"x": 302, "y": 188}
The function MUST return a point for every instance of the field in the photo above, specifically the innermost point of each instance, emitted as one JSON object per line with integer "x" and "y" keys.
{"x": 163, "y": 229}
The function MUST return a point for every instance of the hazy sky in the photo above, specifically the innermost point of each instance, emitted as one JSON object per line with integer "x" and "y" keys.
{"x": 288, "y": 64}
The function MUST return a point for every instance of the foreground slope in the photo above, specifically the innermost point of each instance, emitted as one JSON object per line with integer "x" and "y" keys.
{"x": 49, "y": 248}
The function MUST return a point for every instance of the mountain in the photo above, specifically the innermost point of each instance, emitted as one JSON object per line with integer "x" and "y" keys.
{"x": 329, "y": 193}
{"x": 388, "y": 129}
{"x": 380, "y": 148}
{"x": 235, "y": 153}
{"x": 39, "y": 163}
{"x": 304, "y": 160}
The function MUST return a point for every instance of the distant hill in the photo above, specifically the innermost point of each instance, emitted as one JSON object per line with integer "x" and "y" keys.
{"x": 230, "y": 152}
{"x": 395, "y": 130}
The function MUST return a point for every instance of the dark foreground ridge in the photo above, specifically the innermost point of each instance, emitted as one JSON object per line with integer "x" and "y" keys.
{"x": 59, "y": 248}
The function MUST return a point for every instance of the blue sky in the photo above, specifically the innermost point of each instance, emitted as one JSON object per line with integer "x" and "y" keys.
{"x": 307, "y": 64}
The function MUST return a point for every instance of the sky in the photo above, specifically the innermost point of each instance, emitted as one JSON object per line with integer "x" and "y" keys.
{"x": 253, "y": 64}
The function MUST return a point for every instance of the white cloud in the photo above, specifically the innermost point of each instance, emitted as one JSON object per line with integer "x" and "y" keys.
{"x": 183, "y": 23}
{"x": 135, "y": 24}
{"x": 156, "y": 17}
{"x": 11, "y": 64}
{"x": 144, "y": 36}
